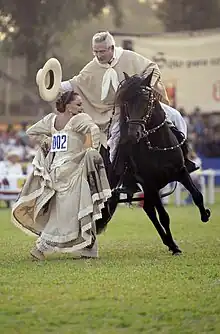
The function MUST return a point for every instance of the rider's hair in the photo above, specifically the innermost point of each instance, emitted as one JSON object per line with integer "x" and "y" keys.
{"x": 65, "y": 99}
{"x": 103, "y": 36}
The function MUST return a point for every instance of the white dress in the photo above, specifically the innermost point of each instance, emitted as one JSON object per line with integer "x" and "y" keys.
{"x": 64, "y": 195}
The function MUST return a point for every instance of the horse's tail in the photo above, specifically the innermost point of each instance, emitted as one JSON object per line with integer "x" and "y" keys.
{"x": 170, "y": 192}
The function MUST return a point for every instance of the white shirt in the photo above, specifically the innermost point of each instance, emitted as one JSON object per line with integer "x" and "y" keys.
{"x": 197, "y": 161}
{"x": 175, "y": 117}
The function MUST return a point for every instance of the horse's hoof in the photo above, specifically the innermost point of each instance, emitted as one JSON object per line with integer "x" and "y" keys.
{"x": 205, "y": 217}
{"x": 177, "y": 252}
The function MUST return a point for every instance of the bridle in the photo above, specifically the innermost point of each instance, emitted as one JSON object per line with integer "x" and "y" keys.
{"x": 145, "y": 120}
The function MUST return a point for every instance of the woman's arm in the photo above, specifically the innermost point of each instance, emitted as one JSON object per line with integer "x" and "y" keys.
{"x": 40, "y": 132}
{"x": 84, "y": 124}
{"x": 42, "y": 127}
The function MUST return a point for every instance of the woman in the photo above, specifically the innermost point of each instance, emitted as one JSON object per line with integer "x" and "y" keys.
{"x": 68, "y": 187}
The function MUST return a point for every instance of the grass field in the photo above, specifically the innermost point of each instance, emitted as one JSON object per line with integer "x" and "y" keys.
{"x": 135, "y": 287}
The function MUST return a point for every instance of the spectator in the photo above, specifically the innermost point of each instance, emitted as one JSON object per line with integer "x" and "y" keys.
{"x": 198, "y": 128}
{"x": 11, "y": 165}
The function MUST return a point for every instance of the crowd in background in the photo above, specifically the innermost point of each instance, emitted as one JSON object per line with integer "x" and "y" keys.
{"x": 16, "y": 151}
{"x": 16, "y": 148}
{"x": 203, "y": 134}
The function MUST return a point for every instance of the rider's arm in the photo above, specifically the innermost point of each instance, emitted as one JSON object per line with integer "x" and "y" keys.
{"x": 156, "y": 83}
{"x": 66, "y": 86}
{"x": 70, "y": 84}
{"x": 148, "y": 66}
{"x": 156, "y": 73}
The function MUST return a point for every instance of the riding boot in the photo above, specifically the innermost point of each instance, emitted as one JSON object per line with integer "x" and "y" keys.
{"x": 190, "y": 165}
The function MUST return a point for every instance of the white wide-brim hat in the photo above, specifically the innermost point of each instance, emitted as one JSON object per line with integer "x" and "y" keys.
{"x": 12, "y": 153}
{"x": 49, "y": 79}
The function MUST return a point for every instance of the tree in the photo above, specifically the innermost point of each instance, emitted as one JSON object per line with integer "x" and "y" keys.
{"x": 182, "y": 15}
{"x": 32, "y": 28}
{"x": 79, "y": 53}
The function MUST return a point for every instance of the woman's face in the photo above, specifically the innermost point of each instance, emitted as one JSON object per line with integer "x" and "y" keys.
{"x": 75, "y": 107}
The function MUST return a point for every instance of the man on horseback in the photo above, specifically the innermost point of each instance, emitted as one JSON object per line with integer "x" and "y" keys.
{"x": 98, "y": 81}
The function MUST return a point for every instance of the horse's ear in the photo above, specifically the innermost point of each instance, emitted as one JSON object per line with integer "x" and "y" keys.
{"x": 126, "y": 76}
{"x": 147, "y": 80}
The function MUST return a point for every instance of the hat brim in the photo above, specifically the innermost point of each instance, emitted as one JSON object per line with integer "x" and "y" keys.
{"x": 13, "y": 154}
{"x": 49, "y": 79}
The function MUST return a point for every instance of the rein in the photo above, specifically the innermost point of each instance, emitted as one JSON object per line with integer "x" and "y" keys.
{"x": 144, "y": 122}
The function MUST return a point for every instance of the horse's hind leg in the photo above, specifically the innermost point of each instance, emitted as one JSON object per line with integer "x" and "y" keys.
{"x": 149, "y": 208}
{"x": 165, "y": 222}
{"x": 197, "y": 196}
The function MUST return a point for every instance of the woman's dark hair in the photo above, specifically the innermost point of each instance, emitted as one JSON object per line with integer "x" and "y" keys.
{"x": 65, "y": 99}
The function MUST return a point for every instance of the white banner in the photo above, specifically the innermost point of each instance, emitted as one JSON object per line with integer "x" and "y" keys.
{"x": 190, "y": 66}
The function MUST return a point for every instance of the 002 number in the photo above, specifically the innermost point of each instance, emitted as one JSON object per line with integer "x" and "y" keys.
{"x": 59, "y": 143}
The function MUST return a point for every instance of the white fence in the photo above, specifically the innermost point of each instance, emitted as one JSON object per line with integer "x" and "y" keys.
{"x": 207, "y": 183}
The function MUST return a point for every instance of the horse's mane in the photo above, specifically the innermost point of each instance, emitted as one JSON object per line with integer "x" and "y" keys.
{"x": 135, "y": 93}
{"x": 128, "y": 89}
{"x": 127, "y": 92}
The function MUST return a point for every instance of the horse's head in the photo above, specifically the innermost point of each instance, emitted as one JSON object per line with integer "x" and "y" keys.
{"x": 135, "y": 99}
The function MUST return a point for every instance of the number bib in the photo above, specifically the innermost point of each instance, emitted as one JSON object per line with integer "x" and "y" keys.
{"x": 59, "y": 142}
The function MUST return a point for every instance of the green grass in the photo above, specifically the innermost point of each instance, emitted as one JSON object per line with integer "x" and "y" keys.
{"x": 136, "y": 286}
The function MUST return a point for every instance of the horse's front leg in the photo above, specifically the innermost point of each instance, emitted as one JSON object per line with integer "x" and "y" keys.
{"x": 149, "y": 208}
{"x": 165, "y": 222}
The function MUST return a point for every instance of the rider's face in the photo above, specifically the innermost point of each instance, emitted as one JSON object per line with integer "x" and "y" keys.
{"x": 103, "y": 53}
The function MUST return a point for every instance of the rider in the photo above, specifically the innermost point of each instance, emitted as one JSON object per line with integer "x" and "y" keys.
{"x": 98, "y": 81}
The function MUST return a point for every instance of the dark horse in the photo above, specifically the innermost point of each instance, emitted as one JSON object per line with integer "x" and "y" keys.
{"x": 149, "y": 154}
